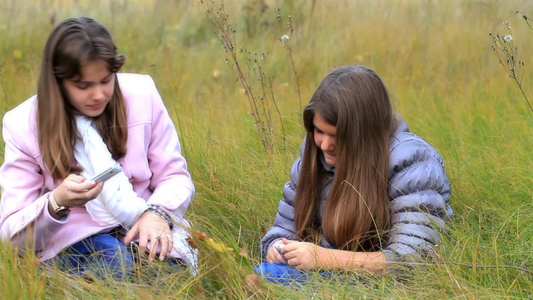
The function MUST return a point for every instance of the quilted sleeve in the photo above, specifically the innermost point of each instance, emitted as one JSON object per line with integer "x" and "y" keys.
{"x": 420, "y": 193}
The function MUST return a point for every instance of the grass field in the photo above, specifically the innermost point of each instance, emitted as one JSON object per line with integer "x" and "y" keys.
{"x": 434, "y": 56}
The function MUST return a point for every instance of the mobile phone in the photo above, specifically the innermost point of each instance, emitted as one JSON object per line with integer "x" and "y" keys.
{"x": 105, "y": 175}
{"x": 279, "y": 247}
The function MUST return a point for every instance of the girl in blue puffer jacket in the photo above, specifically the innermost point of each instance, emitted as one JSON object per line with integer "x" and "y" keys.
{"x": 365, "y": 191}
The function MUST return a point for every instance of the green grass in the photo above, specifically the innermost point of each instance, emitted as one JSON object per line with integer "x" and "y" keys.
{"x": 436, "y": 59}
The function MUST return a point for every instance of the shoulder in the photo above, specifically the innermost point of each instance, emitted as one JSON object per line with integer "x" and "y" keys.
{"x": 141, "y": 96}
{"x": 296, "y": 166}
{"x": 414, "y": 166}
{"x": 407, "y": 149}
{"x": 23, "y": 117}
{"x": 295, "y": 170}
{"x": 20, "y": 122}
{"x": 135, "y": 85}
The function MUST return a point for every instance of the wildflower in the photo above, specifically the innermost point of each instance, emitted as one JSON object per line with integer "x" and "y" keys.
{"x": 217, "y": 246}
{"x": 507, "y": 38}
{"x": 284, "y": 38}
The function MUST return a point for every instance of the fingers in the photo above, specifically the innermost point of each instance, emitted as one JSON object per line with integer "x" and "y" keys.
{"x": 296, "y": 259}
{"x": 150, "y": 242}
{"x": 131, "y": 234}
{"x": 85, "y": 187}
{"x": 295, "y": 262}
{"x": 166, "y": 245}
{"x": 291, "y": 250}
{"x": 154, "y": 234}
{"x": 75, "y": 178}
{"x": 154, "y": 243}
{"x": 92, "y": 191}
{"x": 279, "y": 257}
{"x": 286, "y": 241}
{"x": 272, "y": 258}
{"x": 143, "y": 242}
{"x": 162, "y": 242}
{"x": 273, "y": 254}
{"x": 76, "y": 190}
{"x": 303, "y": 255}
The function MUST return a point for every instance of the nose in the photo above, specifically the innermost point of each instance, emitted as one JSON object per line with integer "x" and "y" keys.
{"x": 98, "y": 93}
{"x": 328, "y": 143}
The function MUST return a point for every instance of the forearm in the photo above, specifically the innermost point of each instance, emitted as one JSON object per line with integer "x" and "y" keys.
{"x": 171, "y": 182}
{"x": 174, "y": 195}
{"x": 333, "y": 259}
{"x": 32, "y": 226}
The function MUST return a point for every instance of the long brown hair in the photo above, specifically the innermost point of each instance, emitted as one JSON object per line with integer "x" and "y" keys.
{"x": 354, "y": 99}
{"x": 72, "y": 44}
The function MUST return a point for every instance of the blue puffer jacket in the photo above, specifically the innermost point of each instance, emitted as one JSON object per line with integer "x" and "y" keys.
{"x": 419, "y": 191}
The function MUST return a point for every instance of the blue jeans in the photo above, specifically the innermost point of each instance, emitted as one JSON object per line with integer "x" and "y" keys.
{"x": 281, "y": 272}
{"x": 100, "y": 254}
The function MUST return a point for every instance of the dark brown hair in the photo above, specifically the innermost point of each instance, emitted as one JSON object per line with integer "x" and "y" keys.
{"x": 71, "y": 45}
{"x": 354, "y": 99}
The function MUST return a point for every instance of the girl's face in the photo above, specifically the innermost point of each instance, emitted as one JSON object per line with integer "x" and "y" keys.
{"x": 91, "y": 92}
{"x": 324, "y": 135}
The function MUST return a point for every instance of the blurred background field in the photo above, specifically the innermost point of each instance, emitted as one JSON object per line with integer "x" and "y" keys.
{"x": 434, "y": 56}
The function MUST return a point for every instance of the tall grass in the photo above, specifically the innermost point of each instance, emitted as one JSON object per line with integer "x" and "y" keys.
{"x": 436, "y": 59}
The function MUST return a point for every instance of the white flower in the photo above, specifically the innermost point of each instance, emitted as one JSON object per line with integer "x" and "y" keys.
{"x": 285, "y": 38}
{"x": 508, "y": 38}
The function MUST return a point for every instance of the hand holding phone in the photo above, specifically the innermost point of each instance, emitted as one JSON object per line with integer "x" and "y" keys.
{"x": 279, "y": 247}
{"x": 107, "y": 174}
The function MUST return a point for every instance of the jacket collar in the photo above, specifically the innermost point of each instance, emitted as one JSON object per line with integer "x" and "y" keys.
{"x": 326, "y": 166}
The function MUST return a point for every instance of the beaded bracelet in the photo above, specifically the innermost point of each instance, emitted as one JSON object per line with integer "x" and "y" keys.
{"x": 161, "y": 213}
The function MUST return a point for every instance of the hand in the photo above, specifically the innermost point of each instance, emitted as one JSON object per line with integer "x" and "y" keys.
{"x": 273, "y": 255}
{"x": 151, "y": 228}
{"x": 303, "y": 255}
{"x": 76, "y": 190}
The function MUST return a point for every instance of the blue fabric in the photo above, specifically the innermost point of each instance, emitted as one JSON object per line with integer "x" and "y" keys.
{"x": 101, "y": 254}
{"x": 104, "y": 255}
{"x": 281, "y": 272}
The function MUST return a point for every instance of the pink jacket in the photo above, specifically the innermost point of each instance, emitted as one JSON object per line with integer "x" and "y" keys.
{"x": 154, "y": 165}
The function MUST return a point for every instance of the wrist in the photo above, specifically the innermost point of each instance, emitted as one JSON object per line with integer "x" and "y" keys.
{"x": 325, "y": 258}
{"x": 161, "y": 213}
{"x": 58, "y": 210}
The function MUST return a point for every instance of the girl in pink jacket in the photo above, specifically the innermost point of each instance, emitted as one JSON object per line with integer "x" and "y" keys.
{"x": 84, "y": 119}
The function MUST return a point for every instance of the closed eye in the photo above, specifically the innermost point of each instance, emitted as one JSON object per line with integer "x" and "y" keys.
{"x": 107, "y": 79}
{"x": 317, "y": 130}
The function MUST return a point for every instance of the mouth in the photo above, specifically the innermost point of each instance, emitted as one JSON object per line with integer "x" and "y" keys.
{"x": 97, "y": 106}
{"x": 330, "y": 159}
{"x": 329, "y": 154}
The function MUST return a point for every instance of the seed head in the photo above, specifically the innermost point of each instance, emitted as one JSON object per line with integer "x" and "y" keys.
{"x": 507, "y": 38}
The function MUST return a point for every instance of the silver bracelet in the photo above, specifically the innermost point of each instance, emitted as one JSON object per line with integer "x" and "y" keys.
{"x": 161, "y": 213}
